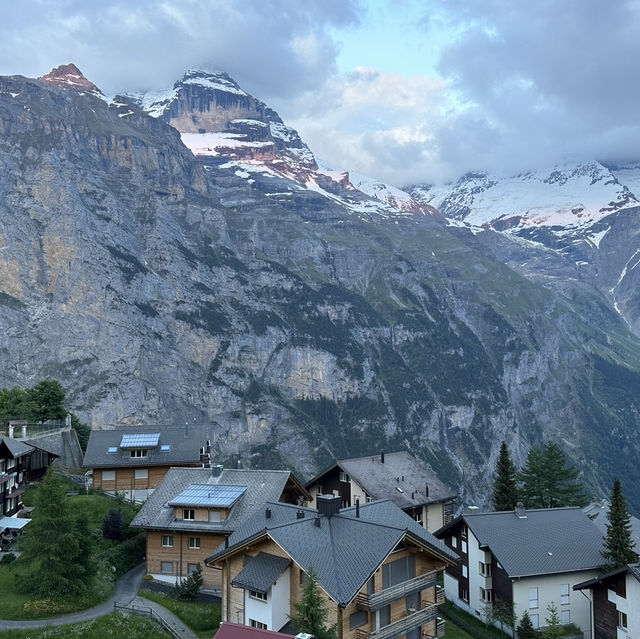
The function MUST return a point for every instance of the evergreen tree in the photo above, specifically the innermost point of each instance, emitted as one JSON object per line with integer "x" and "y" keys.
{"x": 618, "y": 548}
{"x": 525, "y": 628}
{"x": 112, "y": 525}
{"x": 311, "y": 613}
{"x": 85, "y": 562}
{"x": 188, "y": 589}
{"x": 553, "y": 628}
{"x": 48, "y": 399}
{"x": 548, "y": 480}
{"x": 51, "y": 551}
{"x": 505, "y": 490}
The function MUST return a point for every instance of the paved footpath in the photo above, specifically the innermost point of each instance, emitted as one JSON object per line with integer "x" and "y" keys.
{"x": 125, "y": 591}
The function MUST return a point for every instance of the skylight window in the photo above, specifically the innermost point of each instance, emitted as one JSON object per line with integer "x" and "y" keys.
{"x": 165, "y": 447}
{"x": 113, "y": 449}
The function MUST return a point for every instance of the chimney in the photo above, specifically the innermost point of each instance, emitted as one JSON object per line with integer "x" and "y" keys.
{"x": 239, "y": 464}
{"x": 382, "y": 456}
{"x": 328, "y": 505}
{"x": 426, "y": 490}
{"x": 226, "y": 542}
{"x": 358, "y": 507}
{"x": 299, "y": 514}
{"x": 216, "y": 470}
{"x": 520, "y": 511}
{"x": 267, "y": 513}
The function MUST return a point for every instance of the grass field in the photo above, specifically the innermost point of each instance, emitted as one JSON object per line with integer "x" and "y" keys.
{"x": 113, "y": 625}
{"x": 202, "y": 618}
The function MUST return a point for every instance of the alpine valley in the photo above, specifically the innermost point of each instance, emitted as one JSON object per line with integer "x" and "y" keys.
{"x": 183, "y": 257}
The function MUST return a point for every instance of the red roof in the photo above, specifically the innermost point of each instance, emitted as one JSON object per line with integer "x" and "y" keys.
{"x": 230, "y": 630}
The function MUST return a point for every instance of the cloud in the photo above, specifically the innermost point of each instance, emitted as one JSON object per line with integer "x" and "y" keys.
{"x": 274, "y": 47}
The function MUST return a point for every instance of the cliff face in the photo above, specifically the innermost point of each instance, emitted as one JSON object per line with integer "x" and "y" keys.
{"x": 162, "y": 287}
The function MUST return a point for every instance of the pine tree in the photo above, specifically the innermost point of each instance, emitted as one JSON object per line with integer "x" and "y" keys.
{"x": 525, "y": 628}
{"x": 553, "y": 628}
{"x": 548, "y": 480}
{"x": 311, "y": 613}
{"x": 51, "y": 550}
{"x": 618, "y": 548}
{"x": 188, "y": 589}
{"x": 505, "y": 490}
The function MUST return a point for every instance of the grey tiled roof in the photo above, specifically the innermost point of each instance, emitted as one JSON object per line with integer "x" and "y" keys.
{"x": 16, "y": 447}
{"x": 262, "y": 486}
{"x": 185, "y": 443}
{"x": 547, "y": 541}
{"x": 385, "y": 480}
{"x": 343, "y": 550}
{"x": 597, "y": 513}
{"x": 261, "y": 571}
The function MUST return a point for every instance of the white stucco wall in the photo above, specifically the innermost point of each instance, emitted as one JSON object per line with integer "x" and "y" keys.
{"x": 549, "y": 591}
{"x": 629, "y": 605}
{"x": 272, "y": 612}
{"x": 433, "y": 516}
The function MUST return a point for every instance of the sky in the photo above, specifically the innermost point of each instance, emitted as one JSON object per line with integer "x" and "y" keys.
{"x": 406, "y": 91}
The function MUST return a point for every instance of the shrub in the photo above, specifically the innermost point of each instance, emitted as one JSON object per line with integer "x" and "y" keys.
{"x": 8, "y": 558}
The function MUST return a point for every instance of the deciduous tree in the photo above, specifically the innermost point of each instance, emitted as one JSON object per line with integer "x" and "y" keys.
{"x": 505, "y": 488}
{"x": 618, "y": 547}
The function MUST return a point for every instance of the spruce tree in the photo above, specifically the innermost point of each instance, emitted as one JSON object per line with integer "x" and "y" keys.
{"x": 549, "y": 480}
{"x": 51, "y": 549}
{"x": 311, "y": 613}
{"x": 505, "y": 490}
{"x": 553, "y": 628}
{"x": 618, "y": 547}
{"x": 525, "y": 628}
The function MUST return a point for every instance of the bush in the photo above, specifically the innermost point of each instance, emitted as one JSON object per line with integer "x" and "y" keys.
{"x": 188, "y": 589}
{"x": 126, "y": 554}
{"x": 8, "y": 558}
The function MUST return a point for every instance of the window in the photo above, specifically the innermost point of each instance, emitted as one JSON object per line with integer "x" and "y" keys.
{"x": 214, "y": 516}
{"x": 112, "y": 449}
{"x": 533, "y": 599}
{"x": 254, "y": 594}
{"x": 138, "y": 452}
{"x": 622, "y": 620}
{"x": 535, "y": 620}
{"x": 463, "y": 546}
{"x": 108, "y": 475}
{"x": 165, "y": 447}
{"x": 303, "y": 577}
{"x": 565, "y": 617}
{"x": 564, "y": 594}
{"x": 142, "y": 473}
{"x": 454, "y": 541}
{"x": 484, "y": 569}
{"x": 371, "y": 586}
{"x": 257, "y": 624}
{"x": 319, "y": 489}
{"x": 344, "y": 476}
{"x": 463, "y": 532}
{"x": 166, "y": 567}
{"x": 485, "y": 595}
{"x": 194, "y": 543}
{"x": 191, "y": 568}
{"x": 398, "y": 571}
{"x": 384, "y": 616}
{"x": 465, "y": 571}
{"x": 358, "y": 619}
{"x": 167, "y": 541}
{"x": 464, "y": 595}
{"x": 188, "y": 513}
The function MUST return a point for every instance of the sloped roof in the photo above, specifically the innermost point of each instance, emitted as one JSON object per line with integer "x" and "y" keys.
{"x": 597, "y": 513}
{"x": 230, "y": 630}
{"x": 184, "y": 446}
{"x": 261, "y": 486}
{"x": 15, "y": 447}
{"x": 261, "y": 571}
{"x": 546, "y": 541}
{"x": 344, "y": 550}
{"x": 401, "y": 478}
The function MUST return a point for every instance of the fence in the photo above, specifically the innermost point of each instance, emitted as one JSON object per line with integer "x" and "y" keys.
{"x": 145, "y": 611}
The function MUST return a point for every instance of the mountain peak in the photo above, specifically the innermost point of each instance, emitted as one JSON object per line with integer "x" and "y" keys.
{"x": 68, "y": 75}
{"x": 216, "y": 80}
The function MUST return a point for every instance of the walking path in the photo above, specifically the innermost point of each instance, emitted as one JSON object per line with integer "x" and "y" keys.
{"x": 126, "y": 589}
{"x": 179, "y": 629}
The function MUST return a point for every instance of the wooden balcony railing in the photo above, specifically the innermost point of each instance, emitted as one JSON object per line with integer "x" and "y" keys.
{"x": 384, "y": 597}
{"x": 407, "y": 622}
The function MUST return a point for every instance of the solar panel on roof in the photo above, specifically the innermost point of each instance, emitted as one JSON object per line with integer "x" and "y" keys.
{"x": 139, "y": 440}
{"x": 208, "y": 495}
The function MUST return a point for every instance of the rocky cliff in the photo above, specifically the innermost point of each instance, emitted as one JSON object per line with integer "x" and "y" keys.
{"x": 301, "y": 322}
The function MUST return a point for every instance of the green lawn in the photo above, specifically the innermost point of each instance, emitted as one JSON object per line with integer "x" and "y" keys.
{"x": 202, "y": 618}
{"x": 113, "y": 625}
{"x": 455, "y": 632}
{"x": 108, "y": 554}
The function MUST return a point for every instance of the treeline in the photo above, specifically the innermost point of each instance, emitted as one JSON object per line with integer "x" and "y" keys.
{"x": 547, "y": 480}
{"x": 40, "y": 403}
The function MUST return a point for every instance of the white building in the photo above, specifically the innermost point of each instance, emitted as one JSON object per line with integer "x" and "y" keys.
{"x": 529, "y": 559}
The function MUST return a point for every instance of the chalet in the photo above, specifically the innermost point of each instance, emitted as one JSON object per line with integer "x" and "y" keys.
{"x": 398, "y": 477}
{"x": 192, "y": 510}
{"x": 614, "y": 600}
{"x": 376, "y": 568}
{"x": 528, "y": 559}
{"x": 134, "y": 459}
{"x": 14, "y": 462}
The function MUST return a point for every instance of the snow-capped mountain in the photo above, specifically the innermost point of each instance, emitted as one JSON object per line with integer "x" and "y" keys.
{"x": 219, "y": 121}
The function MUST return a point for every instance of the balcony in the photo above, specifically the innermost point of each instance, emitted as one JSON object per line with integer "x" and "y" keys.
{"x": 384, "y": 597}
{"x": 16, "y": 491}
{"x": 407, "y": 622}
